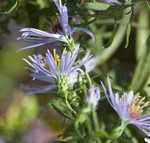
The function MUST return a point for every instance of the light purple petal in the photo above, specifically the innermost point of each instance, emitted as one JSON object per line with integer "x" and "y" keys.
{"x": 62, "y": 63}
{"x": 75, "y": 29}
{"x": 106, "y": 94}
{"x": 45, "y": 78}
{"x": 33, "y": 46}
{"x": 90, "y": 64}
{"x": 63, "y": 16}
{"x": 74, "y": 56}
{"x": 40, "y": 33}
{"x": 51, "y": 62}
{"x": 37, "y": 89}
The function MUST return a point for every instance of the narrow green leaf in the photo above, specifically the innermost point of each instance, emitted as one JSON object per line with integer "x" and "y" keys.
{"x": 97, "y": 6}
{"x": 128, "y": 35}
{"x": 110, "y": 39}
{"x": 142, "y": 69}
{"x": 13, "y": 8}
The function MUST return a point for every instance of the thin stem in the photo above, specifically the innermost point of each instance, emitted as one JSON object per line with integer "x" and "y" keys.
{"x": 89, "y": 79}
{"x": 142, "y": 54}
{"x": 95, "y": 120}
{"x": 107, "y": 53}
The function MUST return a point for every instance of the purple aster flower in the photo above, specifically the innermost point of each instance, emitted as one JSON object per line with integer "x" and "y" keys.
{"x": 129, "y": 107}
{"x": 35, "y": 37}
{"x": 63, "y": 16}
{"x": 93, "y": 96}
{"x": 51, "y": 67}
{"x": 64, "y": 20}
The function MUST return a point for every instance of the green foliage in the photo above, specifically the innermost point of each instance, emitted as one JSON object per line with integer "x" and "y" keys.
{"x": 11, "y": 9}
{"x": 123, "y": 46}
{"x": 97, "y": 6}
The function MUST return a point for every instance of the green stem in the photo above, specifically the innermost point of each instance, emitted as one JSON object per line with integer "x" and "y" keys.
{"x": 117, "y": 132}
{"x": 95, "y": 120}
{"x": 89, "y": 79}
{"x": 119, "y": 36}
{"x": 142, "y": 54}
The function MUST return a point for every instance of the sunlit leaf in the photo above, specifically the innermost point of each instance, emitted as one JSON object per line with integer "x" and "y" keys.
{"x": 97, "y": 6}
{"x": 128, "y": 35}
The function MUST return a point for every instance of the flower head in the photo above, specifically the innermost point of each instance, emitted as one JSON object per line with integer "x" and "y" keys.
{"x": 129, "y": 107}
{"x": 93, "y": 96}
{"x": 52, "y": 68}
{"x": 64, "y": 20}
{"x": 35, "y": 37}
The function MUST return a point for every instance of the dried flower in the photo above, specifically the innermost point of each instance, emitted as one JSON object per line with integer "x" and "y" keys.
{"x": 129, "y": 107}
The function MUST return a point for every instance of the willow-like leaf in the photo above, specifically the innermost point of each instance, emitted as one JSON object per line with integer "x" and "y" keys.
{"x": 98, "y": 6}
{"x": 11, "y": 9}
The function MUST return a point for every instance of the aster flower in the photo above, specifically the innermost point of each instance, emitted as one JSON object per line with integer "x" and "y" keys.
{"x": 93, "y": 96}
{"x": 35, "y": 37}
{"x": 129, "y": 107}
{"x": 64, "y": 20}
{"x": 53, "y": 68}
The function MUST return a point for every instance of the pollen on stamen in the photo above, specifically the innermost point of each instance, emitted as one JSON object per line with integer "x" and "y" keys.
{"x": 56, "y": 59}
{"x": 136, "y": 106}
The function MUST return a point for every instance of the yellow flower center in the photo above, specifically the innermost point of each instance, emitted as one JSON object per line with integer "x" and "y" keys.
{"x": 56, "y": 59}
{"x": 136, "y": 106}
